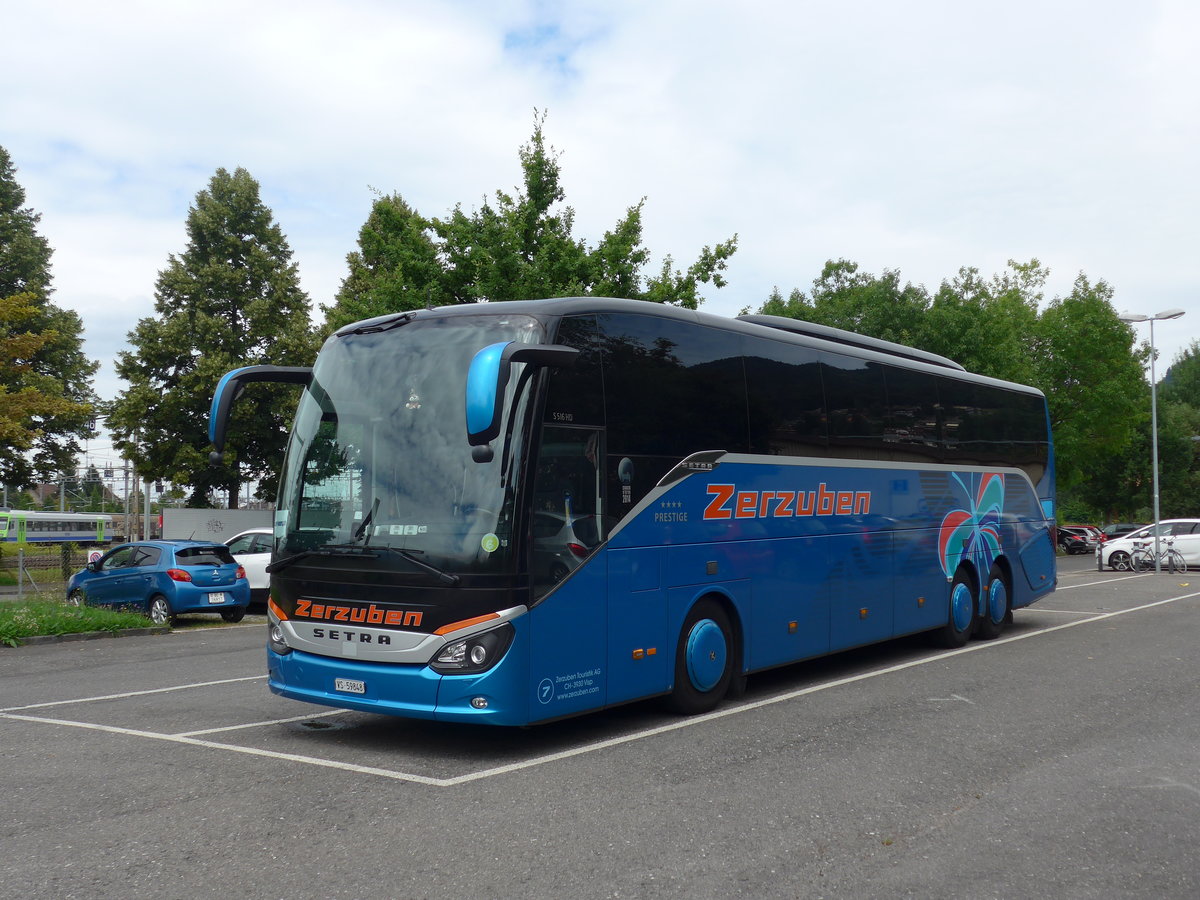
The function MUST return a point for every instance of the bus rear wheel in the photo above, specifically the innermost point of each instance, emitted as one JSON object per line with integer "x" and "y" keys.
{"x": 704, "y": 659}
{"x": 996, "y": 600}
{"x": 960, "y": 618}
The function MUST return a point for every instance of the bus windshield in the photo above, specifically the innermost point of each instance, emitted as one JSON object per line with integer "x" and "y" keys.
{"x": 379, "y": 458}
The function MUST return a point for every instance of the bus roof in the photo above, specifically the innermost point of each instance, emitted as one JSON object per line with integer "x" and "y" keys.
{"x": 834, "y": 340}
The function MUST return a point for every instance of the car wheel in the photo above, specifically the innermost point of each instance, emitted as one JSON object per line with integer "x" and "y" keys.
{"x": 960, "y": 618}
{"x": 1120, "y": 561}
{"x": 558, "y": 572}
{"x": 704, "y": 659}
{"x": 75, "y": 598}
{"x": 234, "y": 614}
{"x": 160, "y": 610}
{"x": 995, "y": 610}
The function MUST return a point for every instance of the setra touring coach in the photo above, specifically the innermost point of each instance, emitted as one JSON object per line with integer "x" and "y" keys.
{"x": 515, "y": 512}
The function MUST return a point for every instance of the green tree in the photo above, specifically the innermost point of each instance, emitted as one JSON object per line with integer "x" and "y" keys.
{"x": 517, "y": 246}
{"x": 1181, "y": 382}
{"x": 988, "y": 325}
{"x": 231, "y": 299}
{"x": 1086, "y": 365}
{"x": 45, "y": 379}
{"x": 844, "y": 297}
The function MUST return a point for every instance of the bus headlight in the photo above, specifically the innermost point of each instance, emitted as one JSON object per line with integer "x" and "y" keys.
{"x": 275, "y": 638}
{"x": 478, "y": 653}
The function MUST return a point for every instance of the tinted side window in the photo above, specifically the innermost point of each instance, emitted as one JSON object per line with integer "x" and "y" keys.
{"x": 913, "y": 427}
{"x": 963, "y": 423}
{"x": 672, "y": 388}
{"x": 855, "y": 395}
{"x": 575, "y": 396}
{"x": 786, "y": 399}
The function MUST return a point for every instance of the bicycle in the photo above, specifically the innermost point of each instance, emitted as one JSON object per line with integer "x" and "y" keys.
{"x": 1142, "y": 558}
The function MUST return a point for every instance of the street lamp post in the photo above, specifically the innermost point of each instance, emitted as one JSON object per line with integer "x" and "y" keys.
{"x": 1137, "y": 317}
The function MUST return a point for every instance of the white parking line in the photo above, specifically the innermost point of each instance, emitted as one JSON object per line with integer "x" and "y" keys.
{"x": 576, "y": 751}
{"x": 125, "y": 696}
{"x": 334, "y": 712}
{"x": 1071, "y": 587}
{"x": 251, "y": 751}
{"x": 1065, "y": 612}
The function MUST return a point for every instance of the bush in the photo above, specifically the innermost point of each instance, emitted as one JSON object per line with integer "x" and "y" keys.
{"x": 32, "y": 618}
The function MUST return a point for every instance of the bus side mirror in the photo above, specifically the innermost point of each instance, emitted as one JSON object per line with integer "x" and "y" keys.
{"x": 230, "y": 387}
{"x": 488, "y": 377}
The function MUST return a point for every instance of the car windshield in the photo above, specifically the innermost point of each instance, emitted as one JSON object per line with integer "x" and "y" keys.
{"x": 379, "y": 458}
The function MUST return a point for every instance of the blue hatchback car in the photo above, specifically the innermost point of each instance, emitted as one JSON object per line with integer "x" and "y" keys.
{"x": 165, "y": 578}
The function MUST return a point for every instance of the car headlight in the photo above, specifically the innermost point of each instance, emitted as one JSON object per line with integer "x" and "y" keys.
{"x": 474, "y": 654}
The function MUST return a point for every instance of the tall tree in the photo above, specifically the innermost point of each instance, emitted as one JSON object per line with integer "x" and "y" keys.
{"x": 45, "y": 379}
{"x": 1086, "y": 364}
{"x": 233, "y": 298}
{"x": 1181, "y": 381}
{"x": 845, "y": 297}
{"x": 517, "y": 246}
{"x": 988, "y": 325}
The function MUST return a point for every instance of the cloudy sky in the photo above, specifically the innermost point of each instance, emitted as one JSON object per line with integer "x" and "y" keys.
{"x": 918, "y": 136}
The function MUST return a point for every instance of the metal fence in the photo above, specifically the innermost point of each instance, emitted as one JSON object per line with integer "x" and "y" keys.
{"x": 43, "y": 569}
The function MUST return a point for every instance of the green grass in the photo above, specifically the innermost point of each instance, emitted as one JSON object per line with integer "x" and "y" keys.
{"x": 30, "y": 618}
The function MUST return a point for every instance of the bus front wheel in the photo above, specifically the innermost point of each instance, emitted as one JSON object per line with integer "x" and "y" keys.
{"x": 960, "y": 619}
{"x": 704, "y": 659}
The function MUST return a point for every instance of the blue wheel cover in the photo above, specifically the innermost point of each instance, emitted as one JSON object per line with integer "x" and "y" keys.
{"x": 962, "y": 607}
{"x": 706, "y": 652}
{"x": 997, "y": 601}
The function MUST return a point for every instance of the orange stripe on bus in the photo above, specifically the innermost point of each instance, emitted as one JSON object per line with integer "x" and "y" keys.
{"x": 466, "y": 623}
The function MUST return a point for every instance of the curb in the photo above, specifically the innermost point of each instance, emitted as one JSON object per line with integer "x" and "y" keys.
{"x": 89, "y": 636}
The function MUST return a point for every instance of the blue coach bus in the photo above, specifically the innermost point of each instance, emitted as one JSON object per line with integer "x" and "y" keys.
{"x": 515, "y": 512}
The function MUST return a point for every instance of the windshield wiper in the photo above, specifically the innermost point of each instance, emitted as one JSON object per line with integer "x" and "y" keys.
{"x": 366, "y": 553}
{"x": 411, "y": 556}
{"x": 380, "y": 323}
{"x": 358, "y": 532}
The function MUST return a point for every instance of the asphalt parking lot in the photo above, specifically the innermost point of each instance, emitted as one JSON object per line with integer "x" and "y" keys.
{"x": 1062, "y": 759}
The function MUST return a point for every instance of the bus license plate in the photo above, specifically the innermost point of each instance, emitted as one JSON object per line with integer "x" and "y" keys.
{"x": 349, "y": 686}
{"x": 218, "y": 597}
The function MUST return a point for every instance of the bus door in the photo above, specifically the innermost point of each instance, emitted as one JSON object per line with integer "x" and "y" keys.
{"x": 568, "y": 642}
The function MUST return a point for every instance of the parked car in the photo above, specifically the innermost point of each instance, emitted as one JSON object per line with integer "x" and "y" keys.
{"x": 1077, "y": 538}
{"x": 1118, "y": 529}
{"x": 163, "y": 579}
{"x": 1184, "y": 533}
{"x": 252, "y": 549}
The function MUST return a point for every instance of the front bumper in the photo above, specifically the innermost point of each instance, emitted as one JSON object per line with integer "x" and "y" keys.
{"x": 409, "y": 690}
